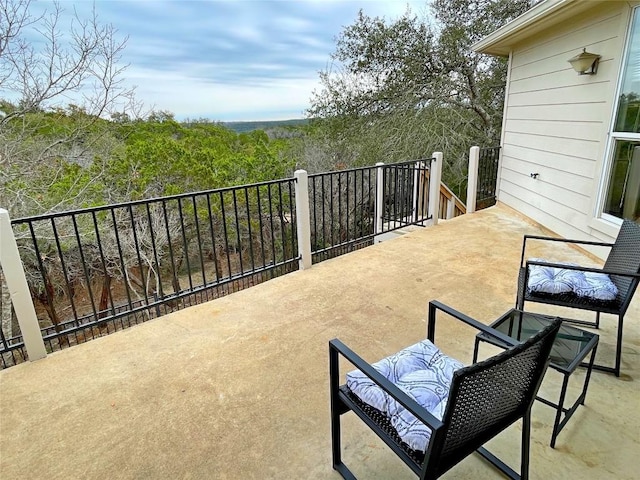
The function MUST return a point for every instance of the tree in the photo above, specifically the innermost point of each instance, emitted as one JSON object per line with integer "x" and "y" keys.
{"x": 55, "y": 156}
{"x": 52, "y": 154}
{"x": 44, "y": 63}
{"x": 400, "y": 89}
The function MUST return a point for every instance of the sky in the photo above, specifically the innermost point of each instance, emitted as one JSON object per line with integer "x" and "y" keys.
{"x": 230, "y": 60}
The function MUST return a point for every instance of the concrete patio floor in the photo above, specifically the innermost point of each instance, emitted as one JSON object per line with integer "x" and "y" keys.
{"x": 238, "y": 387}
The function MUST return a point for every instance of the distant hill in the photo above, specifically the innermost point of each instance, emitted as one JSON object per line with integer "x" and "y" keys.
{"x": 241, "y": 127}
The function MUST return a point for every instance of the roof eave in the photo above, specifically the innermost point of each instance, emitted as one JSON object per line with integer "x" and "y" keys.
{"x": 532, "y": 21}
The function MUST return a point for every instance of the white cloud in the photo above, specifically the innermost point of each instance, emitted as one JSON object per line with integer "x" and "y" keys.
{"x": 247, "y": 33}
{"x": 189, "y": 97}
{"x": 230, "y": 59}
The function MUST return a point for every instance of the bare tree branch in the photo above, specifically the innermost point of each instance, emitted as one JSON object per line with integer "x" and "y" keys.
{"x": 47, "y": 62}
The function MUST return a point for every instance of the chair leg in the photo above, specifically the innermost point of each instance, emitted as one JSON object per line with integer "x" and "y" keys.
{"x": 499, "y": 464}
{"x": 338, "y": 465}
{"x": 335, "y": 438}
{"x": 619, "y": 346}
{"x": 597, "y": 320}
{"x": 524, "y": 454}
{"x": 520, "y": 301}
{"x": 616, "y": 368}
{"x": 335, "y": 415}
{"x": 526, "y": 444}
{"x": 334, "y": 373}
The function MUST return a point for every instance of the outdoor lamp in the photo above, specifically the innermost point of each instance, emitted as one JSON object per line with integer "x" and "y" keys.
{"x": 585, "y": 63}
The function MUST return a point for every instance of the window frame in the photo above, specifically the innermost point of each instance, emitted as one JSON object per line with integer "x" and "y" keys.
{"x": 616, "y": 136}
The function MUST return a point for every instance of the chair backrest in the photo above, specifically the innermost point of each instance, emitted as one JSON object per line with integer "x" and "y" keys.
{"x": 487, "y": 397}
{"x": 625, "y": 256}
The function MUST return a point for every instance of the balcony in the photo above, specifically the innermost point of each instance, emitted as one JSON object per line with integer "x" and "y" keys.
{"x": 238, "y": 387}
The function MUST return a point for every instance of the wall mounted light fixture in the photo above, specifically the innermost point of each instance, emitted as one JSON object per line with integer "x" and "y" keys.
{"x": 585, "y": 63}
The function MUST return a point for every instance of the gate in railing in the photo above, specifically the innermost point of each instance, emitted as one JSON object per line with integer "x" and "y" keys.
{"x": 94, "y": 271}
{"x": 406, "y": 194}
{"x": 348, "y": 208}
{"x": 342, "y": 211}
{"x": 487, "y": 177}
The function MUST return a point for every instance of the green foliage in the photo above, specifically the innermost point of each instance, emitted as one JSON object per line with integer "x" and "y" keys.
{"x": 164, "y": 157}
{"x": 401, "y": 89}
{"x": 114, "y": 161}
{"x": 628, "y": 113}
{"x": 52, "y": 160}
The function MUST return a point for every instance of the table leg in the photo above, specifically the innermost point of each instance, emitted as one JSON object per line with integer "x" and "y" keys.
{"x": 588, "y": 374}
{"x": 475, "y": 350}
{"x": 559, "y": 411}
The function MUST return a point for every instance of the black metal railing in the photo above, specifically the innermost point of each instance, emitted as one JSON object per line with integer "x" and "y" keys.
{"x": 487, "y": 177}
{"x": 97, "y": 270}
{"x": 342, "y": 211}
{"x": 406, "y": 194}
{"x": 343, "y": 205}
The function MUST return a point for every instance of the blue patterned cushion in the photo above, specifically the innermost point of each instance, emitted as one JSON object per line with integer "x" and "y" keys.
{"x": 553, "y": 280}
{"x": 596, "y": 285}
{"x": 424, "y": 373}
{"x": 430, "y": 388}
{"x": 544, "y": 279}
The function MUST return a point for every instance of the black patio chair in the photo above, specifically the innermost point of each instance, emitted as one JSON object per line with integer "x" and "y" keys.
{"x": 622, "y": 266}
{"x": 484, "y": 399}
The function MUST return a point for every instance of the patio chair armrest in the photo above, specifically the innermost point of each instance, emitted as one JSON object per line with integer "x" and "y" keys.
{"x": 337, "y": 347}
{"x": 554, "y": 239}
{"x": 431, "y": 326}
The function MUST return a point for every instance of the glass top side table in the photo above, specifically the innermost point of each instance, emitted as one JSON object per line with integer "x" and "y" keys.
{"x": 571, "y": 347}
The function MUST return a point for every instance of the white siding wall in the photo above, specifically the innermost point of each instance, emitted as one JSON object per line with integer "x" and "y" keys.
{"x": 556, "y": 122}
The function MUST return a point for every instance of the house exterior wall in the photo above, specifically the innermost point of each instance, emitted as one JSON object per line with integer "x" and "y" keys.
{"x": 556, "y": 123}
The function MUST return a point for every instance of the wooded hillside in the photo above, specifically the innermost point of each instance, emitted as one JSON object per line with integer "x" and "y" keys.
{"x": 395, "y": 90}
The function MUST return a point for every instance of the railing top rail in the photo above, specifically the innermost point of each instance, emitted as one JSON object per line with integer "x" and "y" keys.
{"x": 369, "y": 167}
{"x": 111, "y": 206}
{"x": 448, "y": 193}
{"x": 331, "y": 172}
{"x": 409, "y": 162}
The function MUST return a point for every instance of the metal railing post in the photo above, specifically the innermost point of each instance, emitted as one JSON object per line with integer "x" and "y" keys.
{"x": 303, "y": 219}
{"x": 19, "y": 290}
{"x": 379, "y": 196}
{"x": 472, "y": 184}
{"x": 435, "y": 177}
{"x": 416, "y": 190}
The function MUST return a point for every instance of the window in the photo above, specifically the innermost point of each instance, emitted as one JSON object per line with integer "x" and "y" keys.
{"x": 623, "y": 196}
{"x": 622, "y": 193}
